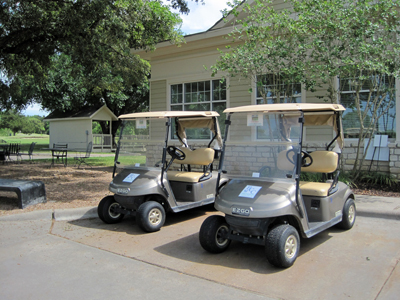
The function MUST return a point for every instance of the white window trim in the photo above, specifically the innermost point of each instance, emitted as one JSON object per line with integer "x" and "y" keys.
{"x": 183, "y": 80}
{"x": 397, "y": 103}
{"x": 254, "y": 102}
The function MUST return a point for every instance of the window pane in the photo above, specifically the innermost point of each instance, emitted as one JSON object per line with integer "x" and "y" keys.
{"x": 176, "y": 93}
{"x": 197, "y": 96}
{"x": 207, "y": 86}
{"x": 200, "y": 106}
{"x": 201, "y": 86}
{"x": 219, "y": 108}
{"x": 176, "y": 107}
{"x": 275, "y": 89}
{"x": 372, "y": 87}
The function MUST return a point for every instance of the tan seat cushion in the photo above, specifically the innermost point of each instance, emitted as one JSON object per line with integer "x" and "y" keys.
{"x": 323, "y": 162}
{"x": 201, "y": 156}
{"x": 184, "y": 176}
{"x": 319, "y": 189}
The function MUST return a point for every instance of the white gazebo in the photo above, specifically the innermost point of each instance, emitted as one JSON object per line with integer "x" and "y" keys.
{"x": 75, "y": 128}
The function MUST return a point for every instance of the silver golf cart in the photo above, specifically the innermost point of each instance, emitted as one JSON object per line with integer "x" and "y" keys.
{"x": 265, "y": 201}
{"x": 162, "y": 176}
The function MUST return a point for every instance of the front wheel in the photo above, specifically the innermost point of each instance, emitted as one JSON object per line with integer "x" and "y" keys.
{"x": 150, "y": 216}
{"x": 282, "y": 246}
{"x": 349, "y": 215}
{"x": 107, "y": 210}
{"x": 213, "y": 234}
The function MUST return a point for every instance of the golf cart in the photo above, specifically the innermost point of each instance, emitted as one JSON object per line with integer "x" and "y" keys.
{"x": 266, "y": 202}
{"x": 162, "y": 177}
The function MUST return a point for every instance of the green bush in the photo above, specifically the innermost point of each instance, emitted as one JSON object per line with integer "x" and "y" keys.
{"x": 377, "y": 179}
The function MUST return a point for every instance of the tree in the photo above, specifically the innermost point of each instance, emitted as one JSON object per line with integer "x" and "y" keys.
{"x": 33, "y": 124}
{"x": 314, "y": 42}
{"x": 92, "y": 33}
{"x": 13, "y": 120}
{"x": 70, "y": 54}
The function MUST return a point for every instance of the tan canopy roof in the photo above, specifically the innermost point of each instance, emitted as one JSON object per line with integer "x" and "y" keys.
{"x": 315, "y": 114}
{"x": 169, "y": 114}
{"x": 287, "y": 107}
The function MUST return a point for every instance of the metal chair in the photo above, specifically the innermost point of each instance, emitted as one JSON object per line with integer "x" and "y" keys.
{"x": 82, "y": 159}
{"x": 30, "y": 151}
{"x": 59, "y": 151}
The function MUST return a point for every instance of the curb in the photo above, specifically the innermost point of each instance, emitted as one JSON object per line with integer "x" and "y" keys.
{"x": 366, "y": 206}
{"x": 75, "y": 214}
{"x": 388, "y": 215}
{"x": 56, "y": 215}
{"x": 46, "y": 215}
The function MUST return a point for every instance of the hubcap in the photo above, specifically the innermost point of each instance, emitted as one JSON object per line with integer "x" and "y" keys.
{"x": 111, "y": 210}
{"x": 155, "y": 216}
{"x": 291, "y": 246}
{"x": 219, "y": 236}
{"x": 352, "y": 214}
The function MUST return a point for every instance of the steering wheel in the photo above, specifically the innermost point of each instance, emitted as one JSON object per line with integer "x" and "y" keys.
{"x": 176, "y": 153}
{"x": 304, "y": 156}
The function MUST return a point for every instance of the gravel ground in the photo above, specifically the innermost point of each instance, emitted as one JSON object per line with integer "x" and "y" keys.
{"x": 71, "y": 187}
{"x": 66, "y": 187}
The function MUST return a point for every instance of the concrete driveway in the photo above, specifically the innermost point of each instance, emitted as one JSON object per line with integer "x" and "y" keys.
{"x": 86, "y": 258}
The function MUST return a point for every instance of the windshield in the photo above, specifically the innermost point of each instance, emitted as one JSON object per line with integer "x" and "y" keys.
{"x": 262, "y": 145}
{"x": 141, "y": 143}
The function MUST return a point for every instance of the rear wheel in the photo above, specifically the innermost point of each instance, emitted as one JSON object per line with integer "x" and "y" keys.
{"x": 213, "y": 234}
{"x": 150, "y": 216}
{"x": 282, "y": 246}
{"x": 107, "y": 210}
{"x": 349, "y": 215}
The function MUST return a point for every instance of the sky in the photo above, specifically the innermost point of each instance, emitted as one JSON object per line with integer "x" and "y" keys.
{"x": 200, "y": 18}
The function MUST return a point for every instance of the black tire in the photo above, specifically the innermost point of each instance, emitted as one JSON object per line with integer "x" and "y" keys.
{"x": 210, "y": 234}
{"x": 150, "y": 216}
{"x": 282, "y": 246}
{"x": 106, "y": 212}
{"x": 349, "y": 215}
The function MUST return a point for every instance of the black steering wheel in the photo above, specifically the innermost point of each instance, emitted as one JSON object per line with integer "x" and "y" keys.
{"x": 176, "y": 153}
{"x": 304, "y": 156}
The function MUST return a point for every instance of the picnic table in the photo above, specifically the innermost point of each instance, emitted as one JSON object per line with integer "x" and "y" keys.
{"x": 61, "y": 152}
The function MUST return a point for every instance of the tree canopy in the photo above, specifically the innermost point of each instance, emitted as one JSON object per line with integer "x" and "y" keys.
{"x": 315, "y": 42}
{"x": 96, "y": 36}
{"x": 311, "y": 41}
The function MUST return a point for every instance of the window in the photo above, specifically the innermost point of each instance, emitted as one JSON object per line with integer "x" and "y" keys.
{"x": 371, "y": 89}
{"x": 275, "y": 89}
{"x": 209, "y": 95}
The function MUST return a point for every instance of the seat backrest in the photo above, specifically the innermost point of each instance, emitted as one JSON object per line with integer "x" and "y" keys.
{"x": 323, "y": 162}
{"x": 283, "y": 162}
{"x": 60, "y": 146}
{"x": 201, "y": 156}
{"x": 30, "y": 151}
{"x": 13, "y": 148}
{"x": 89, "y": 149}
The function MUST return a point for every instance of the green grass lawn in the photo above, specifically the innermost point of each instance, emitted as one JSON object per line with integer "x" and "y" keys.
{"x": 109, "y": 160}
{"x": 103, "y": 161}
{"x": 41, "y": 140}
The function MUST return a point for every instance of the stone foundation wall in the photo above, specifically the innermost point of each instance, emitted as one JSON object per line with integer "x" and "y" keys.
{"x": 254, "y": 157}
{"x": 349, "y": 155}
